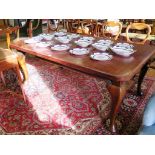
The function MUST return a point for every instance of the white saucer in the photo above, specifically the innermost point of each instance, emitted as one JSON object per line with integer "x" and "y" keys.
{"x": 100, "y": 46}
{"x": 63, "y": 39}
{"x": 60, "y": 47}
{"x": 43, "y": 44}
{"x": 31, "y": 41}
{"x": 107, "y": 42}
{"x": 59, "y": 34}
{"x": 87, "y": 38}
{"x": 83, "y": 43}
{"x": 101, "y": 56}
{"x": 73, "y": 36}
{"x": 122, "y": 51}
{"x": 79, "y": 51}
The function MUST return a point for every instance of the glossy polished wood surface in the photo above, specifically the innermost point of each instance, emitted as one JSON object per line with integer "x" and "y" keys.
{"x": 117, "y": 69}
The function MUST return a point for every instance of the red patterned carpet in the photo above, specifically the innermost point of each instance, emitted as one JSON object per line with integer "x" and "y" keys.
{"x": 64, "y": 101}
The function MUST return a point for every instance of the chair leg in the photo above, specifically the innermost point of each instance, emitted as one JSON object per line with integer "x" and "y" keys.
{"x": 22, "y": 64}
{"x": 24, "y": 69}
{"x": 20, "y": 81}
{"x": 3, "y": 79}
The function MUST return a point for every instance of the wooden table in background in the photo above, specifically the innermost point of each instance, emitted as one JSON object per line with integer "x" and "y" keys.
{"x": 119, "y": 71}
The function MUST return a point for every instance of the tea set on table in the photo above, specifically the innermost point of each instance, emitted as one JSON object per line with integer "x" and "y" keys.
{"x": 102, "y": 46}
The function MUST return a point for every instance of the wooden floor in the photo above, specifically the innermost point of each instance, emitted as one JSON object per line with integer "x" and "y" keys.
{"x": 150, "y": 73}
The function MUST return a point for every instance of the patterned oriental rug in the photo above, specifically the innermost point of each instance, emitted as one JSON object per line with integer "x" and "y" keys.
{"x": 63, "y": 101}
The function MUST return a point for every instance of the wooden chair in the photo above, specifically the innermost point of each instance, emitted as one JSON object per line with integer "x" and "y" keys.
{"x": 35, "y": 27}
{"x": 8, "y": 60}
{"x": 86, "y": 26}
{"x": 71, "y": 25}
{"x": 138, "y": 27}
{"x": 138, "y": 40}
{"x": 20, "y": 56}
{"x": 30, "y": 27}
{"x": 109, "y": 29}
{"x": 52, "y": 26}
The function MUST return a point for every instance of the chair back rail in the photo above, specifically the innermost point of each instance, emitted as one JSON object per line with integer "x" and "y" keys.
{"x": 102, "y": 29}
{"x": 139, "y": 27}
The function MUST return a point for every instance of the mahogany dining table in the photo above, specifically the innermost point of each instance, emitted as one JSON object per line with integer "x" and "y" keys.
{"x": 119, "y": 71}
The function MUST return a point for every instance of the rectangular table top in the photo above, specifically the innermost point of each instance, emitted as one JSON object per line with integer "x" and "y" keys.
{"x": 118, "y": 69}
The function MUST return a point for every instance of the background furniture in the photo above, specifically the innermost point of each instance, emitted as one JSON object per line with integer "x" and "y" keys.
{"x": 145, "y": 28}
{"x": 70, "y": 25}
{"x": 20, "y": 57}
{"x": 53, "y": 25}
{"x": 141, "y": 38}
{"x": 87, "y": 26}
{"x": 148, "y": 124}
{"x": 110, "y": 29}
{"x": 29, "y": 27}
{"x": 8, "y": 60}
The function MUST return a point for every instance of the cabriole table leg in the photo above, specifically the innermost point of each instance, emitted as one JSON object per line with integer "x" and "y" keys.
{"x": 117, "y": 92}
